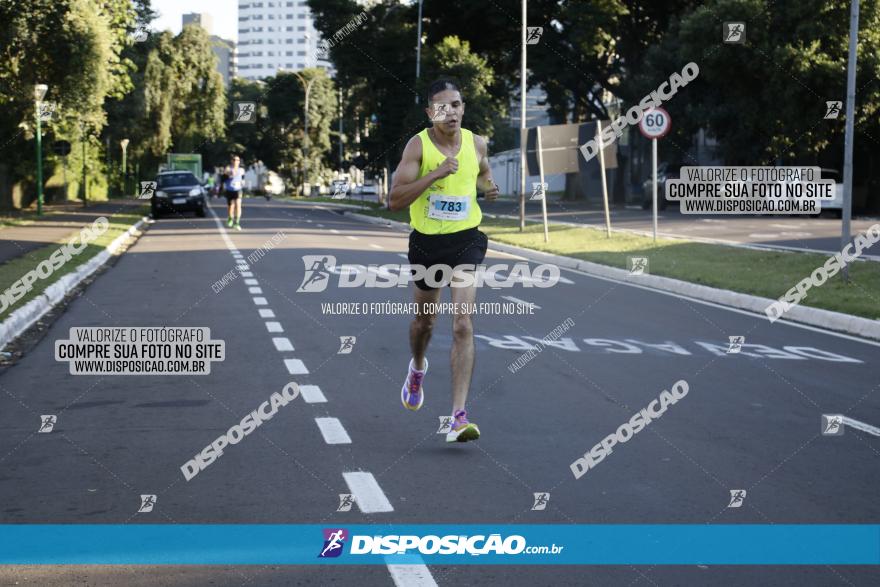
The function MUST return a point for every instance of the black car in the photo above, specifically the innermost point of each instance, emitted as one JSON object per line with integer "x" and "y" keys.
{"x": 178, "y": 191}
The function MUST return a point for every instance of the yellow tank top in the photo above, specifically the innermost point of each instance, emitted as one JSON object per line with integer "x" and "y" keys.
{"x": 449, "y": 204}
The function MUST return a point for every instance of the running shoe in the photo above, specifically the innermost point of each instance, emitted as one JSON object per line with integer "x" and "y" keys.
{"x": 412, "y": 394}
{"x": 462, "y": 430}
{"x": 229, "y": 222}
{"x": 237, "y": 226}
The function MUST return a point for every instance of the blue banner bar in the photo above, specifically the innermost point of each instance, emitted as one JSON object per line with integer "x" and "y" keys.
{"x": 303, "y": 544}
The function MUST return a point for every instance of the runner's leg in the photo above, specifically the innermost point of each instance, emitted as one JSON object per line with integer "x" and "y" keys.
{"x": 462, "y": 356}
{"x": 422, "y": 325}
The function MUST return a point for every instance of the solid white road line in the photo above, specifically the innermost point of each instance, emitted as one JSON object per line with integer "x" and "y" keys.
{"x": 260, "y": 301}
{"x": 728, "y": 308}
{"x": 312, "y": 394}
{"x": 332, "y": 431}
{"x": 521, "y": 302}
{"x": 367, "y": 494}
{"x": 295, "y": 367}
{"x": 282, "y": 344}
{"x": 411, "y": 575}
{"x": 255, "y": 290}
{"x": 265, "y": 313}
{"x": 375, "y": 246}
{"x": 872, "y": 430}
{"x": 274, "y": 327}
{"x": 251, "y": 282}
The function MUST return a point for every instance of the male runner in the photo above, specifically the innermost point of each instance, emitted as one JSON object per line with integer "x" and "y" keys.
{"x": 232, "y": 191}
{"x": 437, "y": 178}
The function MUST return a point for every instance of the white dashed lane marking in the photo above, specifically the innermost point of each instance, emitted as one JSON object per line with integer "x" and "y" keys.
{"x": 251, "y": 282}
{"x": 295, "y": 367}
{"x": 274, "y": 327}
{"x": 367, "y": 494}
{"x": 255, "y": 290}
{"x": 260, "y": 301}
{"x": 411, "y": 574}
{"x": 246, "y": 274}
{"x": 353, "y": 238}
{"x": 282, "y": 344}
{"x": 312, "y": 394}
{"x": 375, "y": 246}
{"x": 332, "y": 431}
{"x": 334, "y": 231}
{"x": 266, "y": 313}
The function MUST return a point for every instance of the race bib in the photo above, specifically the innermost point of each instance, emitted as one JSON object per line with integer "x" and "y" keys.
{"x": 443, "y": 207}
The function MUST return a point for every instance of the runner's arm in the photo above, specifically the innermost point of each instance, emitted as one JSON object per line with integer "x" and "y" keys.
{"x": 485, "y": 183}
{"x": 407, "y": 186}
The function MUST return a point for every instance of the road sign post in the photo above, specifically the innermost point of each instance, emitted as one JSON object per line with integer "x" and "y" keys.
{"x": 543, "y": 186}
{"x": 654, "y": 125}
{"x": 604, "y": 180}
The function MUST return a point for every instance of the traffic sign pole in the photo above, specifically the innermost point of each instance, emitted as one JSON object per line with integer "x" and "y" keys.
{"x": 654, "y": 196}
{"x": 543, "y": 187}
{"x": 604, "y": 181}
{"x": 654, "y": 125}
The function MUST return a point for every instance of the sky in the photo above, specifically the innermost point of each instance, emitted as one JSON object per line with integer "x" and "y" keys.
{"x": 224, "y": 12}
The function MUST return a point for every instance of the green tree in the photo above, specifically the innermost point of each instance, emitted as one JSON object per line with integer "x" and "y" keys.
{"x": 765, "y": 100}
{"x": 65, "y": 44}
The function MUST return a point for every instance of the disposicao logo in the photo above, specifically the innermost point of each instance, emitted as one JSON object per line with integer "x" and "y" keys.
{"x": 334, "y": 542}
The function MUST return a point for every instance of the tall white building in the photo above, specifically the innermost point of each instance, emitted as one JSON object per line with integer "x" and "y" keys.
{"x": 275, "y": 35}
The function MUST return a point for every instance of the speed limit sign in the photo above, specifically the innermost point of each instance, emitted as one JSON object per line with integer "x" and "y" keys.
{"x": 655, "y": 123}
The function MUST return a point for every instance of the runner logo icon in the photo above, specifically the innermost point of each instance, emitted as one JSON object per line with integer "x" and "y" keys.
{"x": 334, "y": 542}
{"x": 47, "y": 423}
{"x": 737, "y": 496}
{"x": 317, "y": 273}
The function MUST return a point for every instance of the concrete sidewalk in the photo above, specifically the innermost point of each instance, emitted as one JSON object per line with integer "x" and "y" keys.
{"x": 57, "y": 222}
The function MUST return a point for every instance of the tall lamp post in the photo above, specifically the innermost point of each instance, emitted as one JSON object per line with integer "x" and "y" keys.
{"x": 39, "y": 93}
{"x": 124, "y": 144}
{"x": 307, "y": 86}
{"x": 419, "y": 48}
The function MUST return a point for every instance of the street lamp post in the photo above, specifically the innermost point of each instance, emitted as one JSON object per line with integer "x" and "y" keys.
{"x": 307, "y": 86}
{"x": 82, "y": 128}
{"x": 124, "y": 144}
{"x": 39, "y": 92}
{"x": 419, "y": 49}
{"x": 846, "y": 213}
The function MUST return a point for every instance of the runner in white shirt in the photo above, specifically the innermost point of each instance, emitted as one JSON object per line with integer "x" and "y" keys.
{"x": 232, "y": 190}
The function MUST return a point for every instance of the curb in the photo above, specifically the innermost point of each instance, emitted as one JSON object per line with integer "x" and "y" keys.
{"x": 27, "y": 315}
{"x": 837, "y": 321}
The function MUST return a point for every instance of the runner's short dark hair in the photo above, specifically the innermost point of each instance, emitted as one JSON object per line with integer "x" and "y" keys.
{"x": 441, "y": 84}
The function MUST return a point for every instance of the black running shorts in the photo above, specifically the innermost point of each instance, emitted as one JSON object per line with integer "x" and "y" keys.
{"x": 466, "y": 247}
{"x": 232, "y": 195}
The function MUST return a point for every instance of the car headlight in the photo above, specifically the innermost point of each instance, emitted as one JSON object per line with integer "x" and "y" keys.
{"x": 195, "y": 191}
{"x": 161, "y": 194}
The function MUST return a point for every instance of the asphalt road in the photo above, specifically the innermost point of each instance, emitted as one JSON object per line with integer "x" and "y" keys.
{"x": 799, "y": 232}
{"x": 750, "y": 420}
